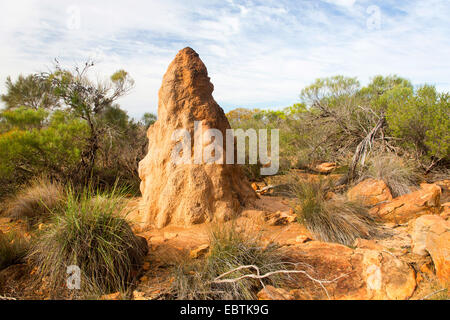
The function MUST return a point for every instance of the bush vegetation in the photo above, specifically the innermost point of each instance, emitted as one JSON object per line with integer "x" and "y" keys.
{"x": 91, "y": 233}
{"x": 229, "y": 250}
{"x": 331, "y": 220}
{"x": 37, "y": 200}
{"x": 400, "y": 175}
{"x": 336, "y": 116}
{"x": 13, "y": 249}
{"x": 69, "y": 128}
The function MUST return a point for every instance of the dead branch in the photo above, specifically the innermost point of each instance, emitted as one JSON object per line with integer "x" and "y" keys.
{"x": 364, "y": 147}
{"x": 432, "y": 294}
{"x": 258, "y": 276}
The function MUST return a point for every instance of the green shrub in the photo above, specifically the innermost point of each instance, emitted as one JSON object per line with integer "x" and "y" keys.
{"x": 13, "y": 249}
{"x": 229, "y": 250}
{"x": 34, "y": 142}
{"x": 91, "y": 234}
{"x": 331, "y": 220}
{"x": 421, "y": 119}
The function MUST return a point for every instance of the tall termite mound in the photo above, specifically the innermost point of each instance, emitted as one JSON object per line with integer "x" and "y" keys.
{"x": 188, "y": 193}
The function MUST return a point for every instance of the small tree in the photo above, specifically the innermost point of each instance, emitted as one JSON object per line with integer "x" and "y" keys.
{"x": 421, "y": 120}
{"x": 31, "y": 92}
{"x": 87, "y": 100}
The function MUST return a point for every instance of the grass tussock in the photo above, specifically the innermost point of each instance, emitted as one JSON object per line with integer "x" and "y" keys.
{"x": 331, "y": 220}
{"x": 13, "y": 249}
{"x": 399, "y": 175}
{"x": 229, "y": 249}
{"x": 89, "y": 233}
{"x": 37, "y": 201}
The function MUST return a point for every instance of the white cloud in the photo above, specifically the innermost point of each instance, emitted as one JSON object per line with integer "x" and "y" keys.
{"x": 257, "y": 54}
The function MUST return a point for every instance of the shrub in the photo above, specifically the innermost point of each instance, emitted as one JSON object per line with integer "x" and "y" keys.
{"x": 90, "y": 234}
{"x": 13, "y": 249}
{"x": 229, "y": 250}
{"x": 399, "y": 175}
{"x": 36, "y": 202}
{"x": 421, "y": 119}
{"x": 331, "y": 220}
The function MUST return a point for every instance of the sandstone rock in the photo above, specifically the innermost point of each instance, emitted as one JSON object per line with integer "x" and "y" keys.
{"x": 187, "y": 194}
{"x": 367, "y": 244}
{"x": 404, "y": 208}
{"x": 281, "y": 218}
{"x": 137, "y": 295}
{"x": 325, "y": 167}
{"x": 431, "y": 235}
{"x": 112, "y": 296}
{"x": 370, "y": 192}
{"x": 444, "y": 184}
{"x": 302, "y": 239}
{"x": 272, "y": 293}
{"x": 363, "y": 274}
{"x": 445, "y": 210}
{"x": 200, "y": 251}
{"x": 170, "y": 235}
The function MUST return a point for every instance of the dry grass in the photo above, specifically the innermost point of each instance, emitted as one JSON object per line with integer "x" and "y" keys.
{"x": 13, "y": 249}
{"x": 89, "y": 233}
{"x": 230, "y": 249}
{"x": 331, "y": 220}
{"x": 36, "y": 202}
{"x": 400, "y": 175}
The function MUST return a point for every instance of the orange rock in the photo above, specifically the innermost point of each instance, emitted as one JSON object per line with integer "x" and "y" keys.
{"x": 431, "y": 235}
{"x": 425, "y": 268}
{"x": 362, "y": 274}
{"x": 281, "y": 218}
{"x": 367, "y": 244}
{"x": 170, "y": 235}
{"x": 370, "y": 192}
{"x": 325, "y": 167}
{"x": 112, "y": 296}
{"x": 272, "y": 293}
{"x": 302, "y": 239}
{"x": 137, "y": 295}
{"x": 409, "y": 206}
{"x": 445, "y": 210}
{"x": 419, "y": 278}
{"x": 200, "y": 251}
{"x": 188, "y": 193}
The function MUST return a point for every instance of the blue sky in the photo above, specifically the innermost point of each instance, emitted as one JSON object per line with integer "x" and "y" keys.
{"x": 258, "y": 53}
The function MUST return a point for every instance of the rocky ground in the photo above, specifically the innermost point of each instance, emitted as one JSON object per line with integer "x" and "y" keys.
{"x": 410, "y": 262}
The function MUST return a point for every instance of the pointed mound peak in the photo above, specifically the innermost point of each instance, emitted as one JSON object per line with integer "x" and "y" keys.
{"x": 186, "y": 79}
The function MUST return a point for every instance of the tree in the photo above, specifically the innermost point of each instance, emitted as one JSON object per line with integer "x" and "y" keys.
{"x": 148, "y": 119}
{"x": 88, "y": 100}
{"x": 31, "y": 92}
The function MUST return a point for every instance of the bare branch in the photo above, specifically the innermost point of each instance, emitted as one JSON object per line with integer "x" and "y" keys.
{"x": 269, "y": 274}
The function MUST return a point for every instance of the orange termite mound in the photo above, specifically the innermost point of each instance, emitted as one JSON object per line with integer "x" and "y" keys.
{"x": 187, "y": 194}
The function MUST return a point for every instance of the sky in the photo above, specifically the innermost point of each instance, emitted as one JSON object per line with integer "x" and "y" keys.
{"x": 259, "y": 54}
